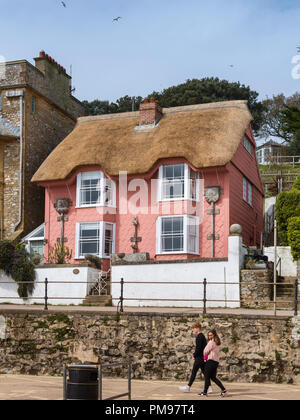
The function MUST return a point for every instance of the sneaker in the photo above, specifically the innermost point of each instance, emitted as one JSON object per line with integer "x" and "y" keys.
{"x": 210, "y": 390}
{"x": 202, "y": 394}
{"x": 223, "y": 393}
{"x": 185, "y": 388}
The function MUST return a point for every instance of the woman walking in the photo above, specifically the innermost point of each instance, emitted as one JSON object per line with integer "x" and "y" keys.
{"x": 211, "y": 355}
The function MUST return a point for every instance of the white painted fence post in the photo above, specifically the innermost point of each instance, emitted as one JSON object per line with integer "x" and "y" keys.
{"x": 235, "y": 262}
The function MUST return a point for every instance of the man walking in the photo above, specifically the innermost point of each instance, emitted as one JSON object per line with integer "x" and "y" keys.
{"x": 198, "y": 357}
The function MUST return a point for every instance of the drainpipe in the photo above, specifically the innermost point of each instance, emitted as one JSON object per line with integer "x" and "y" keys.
{"x": 21, "y": 164}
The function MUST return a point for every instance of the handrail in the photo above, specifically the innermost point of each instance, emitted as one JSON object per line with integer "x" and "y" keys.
{"x": 122, "y": 299}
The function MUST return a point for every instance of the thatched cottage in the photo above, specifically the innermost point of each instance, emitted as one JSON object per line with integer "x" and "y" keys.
{"x": 167, "y": 182}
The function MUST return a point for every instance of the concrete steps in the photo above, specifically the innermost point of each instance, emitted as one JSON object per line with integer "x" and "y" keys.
{"x": 95, "y": 300}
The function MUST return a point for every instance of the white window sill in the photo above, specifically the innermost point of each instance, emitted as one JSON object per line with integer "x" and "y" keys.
{"x": 178, "y": 253}
{"x": 91, "y": 206}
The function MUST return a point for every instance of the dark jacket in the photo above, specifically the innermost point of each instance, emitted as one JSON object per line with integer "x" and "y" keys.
{"x": 200, "y": 346}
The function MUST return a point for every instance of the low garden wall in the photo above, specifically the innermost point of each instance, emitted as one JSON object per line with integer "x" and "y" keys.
{"x": 160, "y": 345}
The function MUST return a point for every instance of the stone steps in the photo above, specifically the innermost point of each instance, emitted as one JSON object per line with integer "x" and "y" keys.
{"x": 101, "y": 301}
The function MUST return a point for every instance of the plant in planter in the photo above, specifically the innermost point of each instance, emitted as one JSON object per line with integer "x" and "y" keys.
{"x": 60, "y": 254}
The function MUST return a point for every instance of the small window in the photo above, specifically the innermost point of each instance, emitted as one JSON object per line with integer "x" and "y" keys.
{"x": 0, "y": 101}
{"x": 178, "y": 182}
{"x": 93, "y": 189}
{"x": 89, "y": 239}
{"x": 244, "y": 189}
{"x": 178, "y": 235}
{"x": 33, "y": 105}
{"x": 249, "y": 193}
{"x": 95, "y": 238}
{"x": 248, "y": 145}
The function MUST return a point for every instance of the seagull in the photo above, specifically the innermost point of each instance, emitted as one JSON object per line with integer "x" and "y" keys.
{"x": 231, "y": 65}
{"x": 298, "y": 48}
{"x": 63, "y": 3}
{"x": 117, "y": 19}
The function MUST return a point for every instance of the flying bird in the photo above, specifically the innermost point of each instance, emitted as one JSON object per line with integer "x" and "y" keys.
{"x": 64, "y": 4}
{"x": 231, "y": 65}
{"x": 298, "y": 48}
{"x": 117, "y": 19}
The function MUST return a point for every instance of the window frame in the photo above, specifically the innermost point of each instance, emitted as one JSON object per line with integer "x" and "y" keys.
{"x": 247, "y": 192}
{"x": 248, "y": 145}
{"x": 186, "y": 235}
{"x": 102, "y": 179}
{"x": 101, "y": 244}
{"x": 186, "y": 183}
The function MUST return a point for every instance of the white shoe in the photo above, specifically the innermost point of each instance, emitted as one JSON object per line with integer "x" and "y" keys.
{"x": 185, "y": 388}
{"x": 210, "y": 390}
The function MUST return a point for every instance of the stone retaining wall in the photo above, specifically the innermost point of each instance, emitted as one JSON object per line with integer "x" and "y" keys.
{"x": 160, "y": 345}
{"x": 255, "y": 293}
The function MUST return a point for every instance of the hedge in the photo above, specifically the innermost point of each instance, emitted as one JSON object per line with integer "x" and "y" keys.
{"x": 294, "y": 236}
{"x": 287, "y": 206}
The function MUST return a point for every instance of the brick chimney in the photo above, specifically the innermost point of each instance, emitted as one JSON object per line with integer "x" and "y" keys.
{"x": 150, "y": 112}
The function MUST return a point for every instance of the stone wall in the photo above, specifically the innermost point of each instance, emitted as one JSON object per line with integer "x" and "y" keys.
{"x": 160, "y": 345}
{"x": 255, "y": 293}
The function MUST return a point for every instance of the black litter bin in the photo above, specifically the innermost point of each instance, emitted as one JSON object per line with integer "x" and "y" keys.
{"x": 82, "y": 383}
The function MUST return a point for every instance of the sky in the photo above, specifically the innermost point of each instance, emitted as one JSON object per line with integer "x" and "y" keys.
{"x": 157, "y": 43}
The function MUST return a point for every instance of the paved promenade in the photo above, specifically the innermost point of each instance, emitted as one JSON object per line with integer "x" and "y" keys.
{"x": 50, "y": 388}
{"x": 153, "y": 310}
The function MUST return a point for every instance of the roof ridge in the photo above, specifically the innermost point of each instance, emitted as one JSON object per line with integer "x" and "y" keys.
{"x": 166, "y": 111}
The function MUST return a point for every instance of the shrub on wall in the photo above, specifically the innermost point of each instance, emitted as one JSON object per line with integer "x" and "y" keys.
{"x": 15, "y": 262}
{"x": 60, "y": 254}
{"x": 287, "y": 206}
{"x": 294, "y": 236}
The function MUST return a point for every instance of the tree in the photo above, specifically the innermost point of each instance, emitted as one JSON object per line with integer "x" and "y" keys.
{"x": 275, "y": 121}
{"x": 200, "y": 91}
{"x": 192, "y": 92}
{"x": 290, "y": 118}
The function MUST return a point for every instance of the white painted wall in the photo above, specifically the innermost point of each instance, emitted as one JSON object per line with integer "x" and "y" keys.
{"x": 74, "y": 286}
{"x": 221, "y": 271}
{"x": 288, "y": 266}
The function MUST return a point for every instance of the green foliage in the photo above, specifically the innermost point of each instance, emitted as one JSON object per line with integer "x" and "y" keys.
{"x": 290, "y": 118}
{"x": 16, "y": 262}
{"x": 60, "y": 254}
{"x": 294, "y": 236}
{"x": 195, "y": 91}
{"x": 287, "y": 206}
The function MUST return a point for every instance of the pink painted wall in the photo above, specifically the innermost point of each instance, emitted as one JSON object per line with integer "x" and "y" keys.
{"x": 147, "y": 222}
{"x": 233, "y": 209}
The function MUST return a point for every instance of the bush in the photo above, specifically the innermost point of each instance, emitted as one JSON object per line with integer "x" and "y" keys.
{"x": 16, "y": 262}
{"x": 287, "y": 206}
{"x": 294, "y": 236}
{"x": 60, "y": 254}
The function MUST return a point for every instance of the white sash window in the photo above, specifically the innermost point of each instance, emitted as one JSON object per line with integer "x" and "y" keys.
{"x": 95, "y": 239}
{"x": 178, "y": 182}
{"x": 94, "y": 189}
{"x": 177, "y": 235}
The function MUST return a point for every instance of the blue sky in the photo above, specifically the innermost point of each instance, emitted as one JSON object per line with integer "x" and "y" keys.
{"x": 157, "y": 43}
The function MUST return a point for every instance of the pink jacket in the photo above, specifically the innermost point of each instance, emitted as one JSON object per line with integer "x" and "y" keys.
{"x": 212, "y": 351}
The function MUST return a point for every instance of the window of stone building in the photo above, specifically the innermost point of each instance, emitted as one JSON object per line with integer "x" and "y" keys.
{"x": 33, "y": 105}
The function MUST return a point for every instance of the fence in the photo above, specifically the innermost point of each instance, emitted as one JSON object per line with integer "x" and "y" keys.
{"x": 204, "y": 286}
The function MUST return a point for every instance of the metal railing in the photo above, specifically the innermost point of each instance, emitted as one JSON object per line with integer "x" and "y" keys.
{"x": 204, "y": 300}
{"x": 122, "y": 299}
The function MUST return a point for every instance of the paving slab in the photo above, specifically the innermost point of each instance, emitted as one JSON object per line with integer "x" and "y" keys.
{"x": 20, "y": 387}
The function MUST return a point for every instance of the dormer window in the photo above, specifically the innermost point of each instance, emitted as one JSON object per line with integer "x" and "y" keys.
{"x": 94, "y": 189}
{"x": 178, "y": 182}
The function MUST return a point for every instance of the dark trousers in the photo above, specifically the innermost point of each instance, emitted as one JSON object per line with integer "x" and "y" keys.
{"x": 210, "y": 373}
{"x": 199, "y": 364}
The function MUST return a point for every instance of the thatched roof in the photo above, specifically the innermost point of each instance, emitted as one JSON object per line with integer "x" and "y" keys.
{"x": 205, "y": 135}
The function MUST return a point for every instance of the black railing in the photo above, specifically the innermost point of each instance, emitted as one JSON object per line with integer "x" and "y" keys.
{"x": 122, "y": 299}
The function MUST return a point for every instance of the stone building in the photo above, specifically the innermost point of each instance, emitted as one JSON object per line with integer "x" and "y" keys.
{"x": 37, "y": 111}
